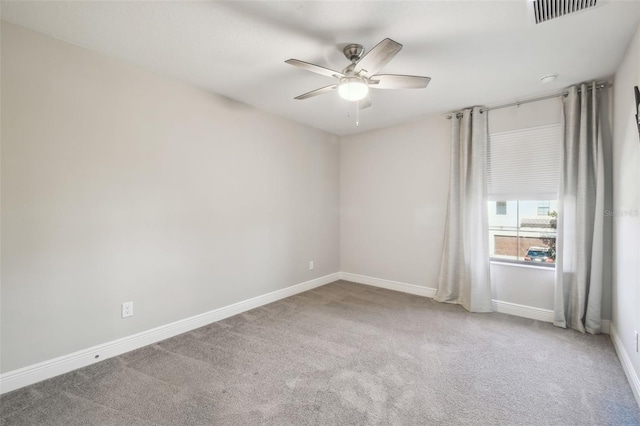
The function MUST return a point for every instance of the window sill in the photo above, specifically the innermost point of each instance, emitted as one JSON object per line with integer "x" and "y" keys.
{"x": 523, "y": 265}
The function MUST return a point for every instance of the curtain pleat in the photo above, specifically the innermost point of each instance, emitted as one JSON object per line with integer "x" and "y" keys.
{"x": 464, "y": 272}
{"x": 580, "y": 239}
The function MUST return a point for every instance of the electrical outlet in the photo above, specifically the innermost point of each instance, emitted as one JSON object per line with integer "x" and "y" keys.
{"x": 127, "y": 309}
{"x": 310, "y": 264}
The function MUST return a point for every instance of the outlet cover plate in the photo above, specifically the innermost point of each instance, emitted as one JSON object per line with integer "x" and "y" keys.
{"x": 127, "y": 309}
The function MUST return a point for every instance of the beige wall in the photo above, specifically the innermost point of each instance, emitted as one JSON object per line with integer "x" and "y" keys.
{"x": 122, "y": 185}
{"x": 393, "y": 201}
{"x": 626, "y": 199}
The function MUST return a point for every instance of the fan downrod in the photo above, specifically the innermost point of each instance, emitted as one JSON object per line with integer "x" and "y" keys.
{"x": 353, "y": 52}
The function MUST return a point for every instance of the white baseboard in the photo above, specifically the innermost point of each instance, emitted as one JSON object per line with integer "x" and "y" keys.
{"x": 389, "y": 285}
{"x": 45, "y": 370}
{"x": 498, "y": 305}
{"x": 539, "y": 314}
{"x": 524, "y": 311}
{"x": 627, "y": 366}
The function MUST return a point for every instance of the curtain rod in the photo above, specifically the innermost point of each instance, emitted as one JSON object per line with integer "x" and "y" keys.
{"x": 526, "y": 101}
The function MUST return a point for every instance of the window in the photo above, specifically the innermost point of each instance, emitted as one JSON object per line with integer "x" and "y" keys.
{"x": 523, "y": 169}
{"x": 522, "y": 235}
{"x": 543, "y": 208}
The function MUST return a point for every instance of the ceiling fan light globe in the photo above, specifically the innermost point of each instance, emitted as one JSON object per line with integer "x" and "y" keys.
{"x": 353, "y": 90}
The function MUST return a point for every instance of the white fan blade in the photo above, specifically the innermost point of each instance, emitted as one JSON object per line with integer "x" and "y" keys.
{"x": 317, "y": 92}
{"x": 397, "y": 81}
{"x": 378, "y": 57}
{"x": 314, "y": 68}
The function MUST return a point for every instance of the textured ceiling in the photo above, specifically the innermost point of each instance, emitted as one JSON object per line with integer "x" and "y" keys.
{"x": 476, "y": 52}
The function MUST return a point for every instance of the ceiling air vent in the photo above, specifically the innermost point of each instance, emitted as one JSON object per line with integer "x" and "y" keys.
{"x": 546, "y": 10}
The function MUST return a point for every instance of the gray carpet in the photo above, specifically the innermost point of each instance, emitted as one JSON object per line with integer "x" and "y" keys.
{"x": 346, "y": 354}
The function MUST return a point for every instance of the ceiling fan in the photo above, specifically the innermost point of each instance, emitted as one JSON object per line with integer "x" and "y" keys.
{"x": 360, "y": 75}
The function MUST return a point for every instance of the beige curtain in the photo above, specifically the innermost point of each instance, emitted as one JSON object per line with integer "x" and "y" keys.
{"x": 464, "y": 271}
{"x": 579, "y": 266}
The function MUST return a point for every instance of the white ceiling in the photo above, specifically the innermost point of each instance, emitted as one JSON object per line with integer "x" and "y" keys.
{"x": 476, "y": 52}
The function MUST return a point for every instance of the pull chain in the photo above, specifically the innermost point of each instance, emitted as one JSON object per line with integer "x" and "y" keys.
{"x": 357, "y": 103}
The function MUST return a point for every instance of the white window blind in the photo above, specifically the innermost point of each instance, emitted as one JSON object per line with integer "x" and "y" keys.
{"x": 524, "y": 164}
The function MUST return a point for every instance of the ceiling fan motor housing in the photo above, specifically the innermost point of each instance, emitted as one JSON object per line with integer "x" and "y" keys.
{"x": 353, "y": 52}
